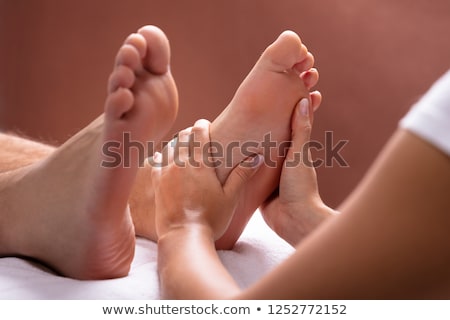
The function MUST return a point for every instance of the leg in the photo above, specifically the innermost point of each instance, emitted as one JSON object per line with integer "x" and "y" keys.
{"x": 70, "y": 209}
{"x": 262, "y": 106}
{"x": 18, "y": 152}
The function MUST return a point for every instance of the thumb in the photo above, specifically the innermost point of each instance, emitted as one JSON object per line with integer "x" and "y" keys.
{"x": 301, "y": 132}
{"x": 156, "y": 163}
{"x": 242, "y": 173}
{"x": 299, "y": 178}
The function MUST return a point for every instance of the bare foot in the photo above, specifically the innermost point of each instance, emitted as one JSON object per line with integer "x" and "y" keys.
{"x": 261, "y": 108}
{"x": 260, "y": 112}
{"x": 70, "y": 210}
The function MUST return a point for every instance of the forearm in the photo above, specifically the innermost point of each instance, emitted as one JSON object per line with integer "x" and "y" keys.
{"x": 189, "y": 267}
{"x": 389, "y": 242}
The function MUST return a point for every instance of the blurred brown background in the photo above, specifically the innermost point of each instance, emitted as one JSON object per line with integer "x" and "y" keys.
{"x": 375, "y": 59}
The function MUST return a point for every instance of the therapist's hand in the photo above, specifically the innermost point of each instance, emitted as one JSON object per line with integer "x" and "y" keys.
{"x": 188, "y": 192}
{"x": 296, "y": 208}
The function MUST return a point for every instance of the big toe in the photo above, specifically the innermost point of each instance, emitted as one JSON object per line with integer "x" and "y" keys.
{"x": 157, "y": 57}
{"x": 285, "y": 52}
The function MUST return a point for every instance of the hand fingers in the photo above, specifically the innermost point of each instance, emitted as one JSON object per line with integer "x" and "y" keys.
{"x": 200, "y": 141}
{"x": 177, "y": 150}
{"x": 301, "y": 128}
{"x": 156, "y": 163}
{"x": 241, "y": 174}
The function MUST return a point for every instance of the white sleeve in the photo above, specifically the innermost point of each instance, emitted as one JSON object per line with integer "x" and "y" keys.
{"x": 429, "y": 118}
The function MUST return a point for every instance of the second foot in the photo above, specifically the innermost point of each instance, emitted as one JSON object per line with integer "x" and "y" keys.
{"x": 260, "y": 113}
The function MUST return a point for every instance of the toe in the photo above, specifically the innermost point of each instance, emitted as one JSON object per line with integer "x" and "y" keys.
{"x": 129, "y": 56}
{"x": 286, "y": 51}
{"x": 157, "y": 56}
{"x": 121, "y": 77}
{"x": 306, "y": 64}
{"x": 310, "y": 78}
{"x": 118, "y": 103}
{"x": 316, "y": 99}
{"x": 138, "y": 41}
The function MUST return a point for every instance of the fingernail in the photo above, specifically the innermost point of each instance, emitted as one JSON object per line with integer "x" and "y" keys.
{"x": 155, "y": 160}
{"x": 157, "y": 156}
{"x": 252, "y": 161}
{"x": 304, "y": 107}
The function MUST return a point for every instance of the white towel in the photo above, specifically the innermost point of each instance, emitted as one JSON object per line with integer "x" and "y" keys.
{"x": 257, "y": 252}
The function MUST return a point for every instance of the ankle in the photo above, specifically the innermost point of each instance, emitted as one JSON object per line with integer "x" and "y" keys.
{"x": 142, "y": 204}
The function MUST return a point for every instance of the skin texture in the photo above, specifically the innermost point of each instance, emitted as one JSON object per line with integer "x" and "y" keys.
{"x": 389, "y": 241}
